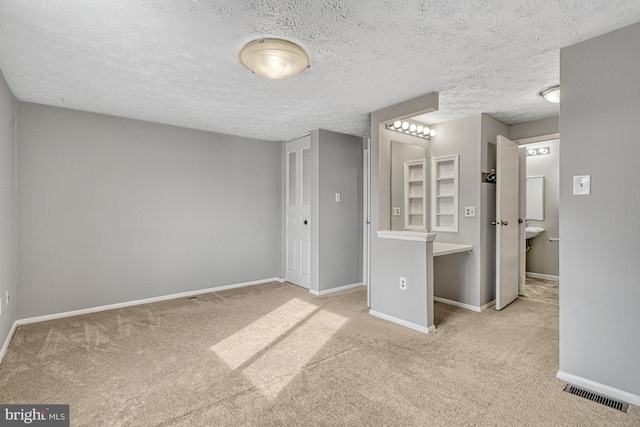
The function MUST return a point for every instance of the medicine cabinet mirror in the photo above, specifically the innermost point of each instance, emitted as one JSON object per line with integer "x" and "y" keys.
{"x": 535, "y": 198}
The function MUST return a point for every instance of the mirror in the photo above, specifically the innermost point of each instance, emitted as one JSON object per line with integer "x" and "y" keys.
{"x": 408, "y": 187}
{"x": 535, "y": 198}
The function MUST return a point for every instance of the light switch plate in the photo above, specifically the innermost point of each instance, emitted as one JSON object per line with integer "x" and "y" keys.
{"x": 470, "y": 212}
{"x": 582, "y": 185}
{"x": 338, "y": 197}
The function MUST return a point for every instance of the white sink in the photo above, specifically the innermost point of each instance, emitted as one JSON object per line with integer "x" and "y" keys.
{"x": 533, "y": 232}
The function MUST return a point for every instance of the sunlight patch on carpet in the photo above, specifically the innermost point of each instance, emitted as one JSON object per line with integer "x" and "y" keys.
{"x": 271, "y": 351}
{"x": 279, "y": 365}
{"x": 238, "y": 348}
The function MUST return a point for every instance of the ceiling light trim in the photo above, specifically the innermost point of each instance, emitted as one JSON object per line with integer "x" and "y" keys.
{"x": 551, "y": 94}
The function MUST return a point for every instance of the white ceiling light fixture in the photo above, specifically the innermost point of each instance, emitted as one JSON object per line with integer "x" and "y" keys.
{"x": 552, "y": 94}
{"x": 538, "y": 151}
{"x": 414, "y": 129}
{"x": 274, "y": 58}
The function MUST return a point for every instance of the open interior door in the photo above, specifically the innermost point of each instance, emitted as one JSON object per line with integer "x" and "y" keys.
{"x": 507, "y": 226}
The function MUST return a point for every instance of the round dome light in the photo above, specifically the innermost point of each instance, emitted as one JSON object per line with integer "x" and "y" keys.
{"x": 397, "y": 124}
{"x": 274, "y": 58}
{"x": 551, "y": 94}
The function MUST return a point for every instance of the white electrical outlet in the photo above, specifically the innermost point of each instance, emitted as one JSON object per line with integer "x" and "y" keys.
{"x": 6, "y": 298}
{"x": 403, "y": 283}
{"x": 470, "y": 212}
{"x": 338, "y": 197}
{"x": 396, "y": 211}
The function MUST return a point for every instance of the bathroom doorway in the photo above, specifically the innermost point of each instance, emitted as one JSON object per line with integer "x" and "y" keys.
{"x": 539, "y": 207}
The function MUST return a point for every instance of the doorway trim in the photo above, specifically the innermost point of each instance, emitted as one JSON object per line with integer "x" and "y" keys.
{"x": 522, "y": 203}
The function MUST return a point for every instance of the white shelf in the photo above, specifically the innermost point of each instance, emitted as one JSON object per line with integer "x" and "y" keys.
{"x": 415, "y": 195}
{"x": 444, "y": 193}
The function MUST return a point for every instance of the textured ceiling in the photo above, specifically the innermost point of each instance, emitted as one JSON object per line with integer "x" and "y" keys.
{"x": 176, "y": 61}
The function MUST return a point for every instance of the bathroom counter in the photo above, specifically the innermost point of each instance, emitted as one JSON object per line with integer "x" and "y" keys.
{"x": 441, "y": 248}
{"x": 415, "y": 236}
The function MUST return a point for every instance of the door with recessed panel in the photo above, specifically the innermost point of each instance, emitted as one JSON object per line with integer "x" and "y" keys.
{"x": 298, "y": 212}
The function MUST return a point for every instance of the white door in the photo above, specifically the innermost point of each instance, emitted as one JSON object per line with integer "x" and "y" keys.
{"x": 507, "y": 227}
{"x": 298, "y": 212}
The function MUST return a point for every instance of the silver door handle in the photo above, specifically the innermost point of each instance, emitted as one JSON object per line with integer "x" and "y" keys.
{"x": 505, "y": 222}
{"x": 494, "y": 223}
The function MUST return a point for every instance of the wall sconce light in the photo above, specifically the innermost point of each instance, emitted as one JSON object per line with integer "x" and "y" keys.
{"x": 412, "y": 129}
{"x": 551, "y": 94}
{"x": 538, "y": 151}
{"x": 274, "y": 58}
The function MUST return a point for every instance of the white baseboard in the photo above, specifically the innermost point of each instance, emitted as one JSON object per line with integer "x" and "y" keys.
{"x": 5, "y": 346}
{"x": 338, "y": 289}
{"x": 599, "y": 388}
{"x": 401, "y": 322}
{"x": 543, "y": 276}
{"x": 143, "y": 301}
{"x": 488, "y": 305}
{"x": 460, "y": 304}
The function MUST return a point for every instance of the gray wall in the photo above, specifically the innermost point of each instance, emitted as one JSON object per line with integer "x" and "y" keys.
{"x": 547, "y": 126}
{"x": 7, "y": 208}
{"x": 461, "y": 137}
{"x": 544, "y": 257}
{"x": 339, "y": 225}
{"x": 114, "y": 210}
{"x": 391, "y": 259}
{"x": 600, "y": 236}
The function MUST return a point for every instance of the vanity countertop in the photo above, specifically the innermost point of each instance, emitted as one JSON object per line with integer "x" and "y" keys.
{"x": 416, "y": 236}
{"x": 441, "y": 248}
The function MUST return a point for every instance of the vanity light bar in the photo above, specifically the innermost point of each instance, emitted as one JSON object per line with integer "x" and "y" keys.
{"x": 412, "y": 129}
{"x": 538, "y": 151}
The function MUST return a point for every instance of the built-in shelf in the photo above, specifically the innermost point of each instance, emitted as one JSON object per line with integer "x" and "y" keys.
{"x": 415, "y": 195}
{"x": 444, "y": 191}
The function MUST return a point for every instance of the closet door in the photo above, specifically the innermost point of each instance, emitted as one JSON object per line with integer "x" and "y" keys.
{"x": 298, "y": 212}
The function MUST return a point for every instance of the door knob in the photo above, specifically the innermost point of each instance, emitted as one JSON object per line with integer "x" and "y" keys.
{"x": 494, "y": 223}
{"x": 505, "y": 222}
{"x": 306, "y": 222}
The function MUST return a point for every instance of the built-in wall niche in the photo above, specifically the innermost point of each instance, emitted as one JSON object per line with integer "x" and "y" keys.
{"x": 408, "y": 187}
{"x": 415, "y": 197}
{"x": 444, "y": 193}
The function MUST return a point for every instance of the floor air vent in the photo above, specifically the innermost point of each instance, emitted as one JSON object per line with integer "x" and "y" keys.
{"x": 620, "y": 406}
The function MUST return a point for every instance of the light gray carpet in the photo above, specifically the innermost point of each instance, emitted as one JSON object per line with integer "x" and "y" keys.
{"x": 274, "y": 354}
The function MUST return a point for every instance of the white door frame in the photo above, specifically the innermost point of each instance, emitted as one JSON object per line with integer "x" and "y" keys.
{"x": 366, "y": 220}
{"x": 522, "y": 273}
